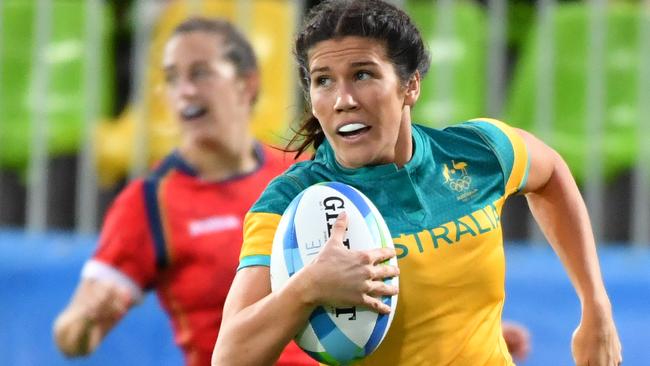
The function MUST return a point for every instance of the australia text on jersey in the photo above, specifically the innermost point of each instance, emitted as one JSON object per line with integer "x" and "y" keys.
{"x": 473, "y": 224}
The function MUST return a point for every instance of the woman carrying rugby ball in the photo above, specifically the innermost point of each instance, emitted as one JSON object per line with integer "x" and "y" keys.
{"x": 440, "y": 191}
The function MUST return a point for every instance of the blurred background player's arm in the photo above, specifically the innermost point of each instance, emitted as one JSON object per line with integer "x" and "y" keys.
{"x": 96, "y": 307}
{"x": 517, "y": 339}
{"x": 107, "y": 288}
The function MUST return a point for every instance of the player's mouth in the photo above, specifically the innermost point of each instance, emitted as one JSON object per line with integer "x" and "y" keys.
{"x": 193, "y": 112}
{"x": 352, "y": 130}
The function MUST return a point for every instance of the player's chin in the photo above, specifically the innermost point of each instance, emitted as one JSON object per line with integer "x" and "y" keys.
{"x": 201, "y": 137}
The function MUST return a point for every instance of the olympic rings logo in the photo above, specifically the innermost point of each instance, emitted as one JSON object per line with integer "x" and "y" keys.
{"x": 460, "y": 184}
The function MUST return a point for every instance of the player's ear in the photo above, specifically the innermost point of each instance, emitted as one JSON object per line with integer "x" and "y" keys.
{"x": 251, "y": 86}
{"x": 412, "y": 92}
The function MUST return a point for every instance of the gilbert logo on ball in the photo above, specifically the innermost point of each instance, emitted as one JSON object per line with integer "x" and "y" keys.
{"x": 333, "y": 335}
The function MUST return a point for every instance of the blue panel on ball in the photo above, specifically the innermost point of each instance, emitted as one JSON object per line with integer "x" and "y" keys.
{"x": 290, "y": 248}
{"x": 292, "y": 258}
{"x": 321, "y": 322}
{"x": 352, "y": 195}
{"x": 335, "y": 342}
{"x": 373, "y": 227}
{"x": 378, "y": 332}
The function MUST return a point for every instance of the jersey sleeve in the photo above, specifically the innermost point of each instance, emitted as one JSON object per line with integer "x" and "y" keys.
{"x": 125, "y": 250}
{"x": 509, "y": 148}
{"x": 262, "y": 221}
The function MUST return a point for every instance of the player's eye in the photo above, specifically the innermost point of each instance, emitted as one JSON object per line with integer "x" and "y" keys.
{"x": 170, "y": 78}
{"x": 362, "y": 75}
{"x": 322, "y": 81}
{"x": 199, "y": 74}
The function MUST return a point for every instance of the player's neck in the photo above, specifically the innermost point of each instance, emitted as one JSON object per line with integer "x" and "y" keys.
{"x": 215, "y": 162}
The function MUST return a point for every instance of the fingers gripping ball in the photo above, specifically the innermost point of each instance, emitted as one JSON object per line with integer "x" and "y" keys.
{"x": 333, "y": 335}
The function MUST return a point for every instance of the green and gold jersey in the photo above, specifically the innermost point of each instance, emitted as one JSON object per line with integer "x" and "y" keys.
{"x": 443, "y": 209}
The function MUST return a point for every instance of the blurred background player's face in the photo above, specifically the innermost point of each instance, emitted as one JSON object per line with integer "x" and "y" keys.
{"x": 359, "y": 101}
{"x": 211, "y": 102}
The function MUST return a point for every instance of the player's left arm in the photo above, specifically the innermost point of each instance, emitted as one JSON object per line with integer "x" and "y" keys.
{"x": 558, "y": 208}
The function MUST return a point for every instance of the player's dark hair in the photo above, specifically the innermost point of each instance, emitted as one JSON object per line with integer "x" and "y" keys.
{"x": 237, "y": 48}
{"x": 335, "y": 19}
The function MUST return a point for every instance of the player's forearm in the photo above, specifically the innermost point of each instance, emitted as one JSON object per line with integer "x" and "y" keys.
{"x": 561, "y": 213}
{"x": 257, "y": 334}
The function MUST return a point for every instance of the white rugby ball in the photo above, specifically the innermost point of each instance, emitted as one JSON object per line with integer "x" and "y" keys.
{"x": 333, "y": 335}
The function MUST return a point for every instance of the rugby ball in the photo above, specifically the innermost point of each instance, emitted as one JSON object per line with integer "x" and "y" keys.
{"x": 333, "y": 335}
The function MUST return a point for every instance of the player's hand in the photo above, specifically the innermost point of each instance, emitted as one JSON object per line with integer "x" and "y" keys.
{"x": 340, "y": 276}
{"x": 517, "y": 339}
{"x": 96, "y": 307}
{"x": 595, "y": 341}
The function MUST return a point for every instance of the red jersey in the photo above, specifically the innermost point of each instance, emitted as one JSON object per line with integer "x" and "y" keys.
{"x": 181, "y": 236}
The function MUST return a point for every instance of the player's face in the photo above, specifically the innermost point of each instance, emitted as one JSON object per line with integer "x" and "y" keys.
{"x": 360, "y": 102}
{"x": 212, "y": 103}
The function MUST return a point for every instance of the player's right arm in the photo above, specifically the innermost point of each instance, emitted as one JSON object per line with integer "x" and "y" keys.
{"x": 113, "y": 280}
{"x": 257, "y": 323}
{"x": 96, "y": 307}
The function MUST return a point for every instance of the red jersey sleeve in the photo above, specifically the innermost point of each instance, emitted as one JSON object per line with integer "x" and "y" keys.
{"x": 125, "y": 242}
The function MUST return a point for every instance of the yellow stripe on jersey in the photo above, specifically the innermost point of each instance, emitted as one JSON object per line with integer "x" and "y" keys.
{"x": 259, "y": 228}
{"x": 520, "y": 165}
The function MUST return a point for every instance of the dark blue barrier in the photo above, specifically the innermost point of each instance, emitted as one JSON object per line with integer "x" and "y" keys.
{"x": 39, "y": 273}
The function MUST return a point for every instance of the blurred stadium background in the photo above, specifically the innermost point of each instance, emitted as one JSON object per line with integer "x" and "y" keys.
{"x": 81, "y": 113}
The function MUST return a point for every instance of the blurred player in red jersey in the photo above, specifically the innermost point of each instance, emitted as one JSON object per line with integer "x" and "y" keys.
{"x": 179, "y": 230}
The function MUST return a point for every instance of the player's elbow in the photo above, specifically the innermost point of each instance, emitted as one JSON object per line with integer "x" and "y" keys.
{"x": 227, "y": 354}
{"x": 216, "y": 359}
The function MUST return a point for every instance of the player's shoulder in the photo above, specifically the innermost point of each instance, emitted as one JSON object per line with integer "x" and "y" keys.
{"x": 474, "y": 137}
{"x": 289, "y": 182}
{"x": 487, "y": 126}
{"x": 284, "y": 187}
{"x": 127, "y": 211}
{"x": 478, "y": 130}
{"x": 132, "y": 192}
